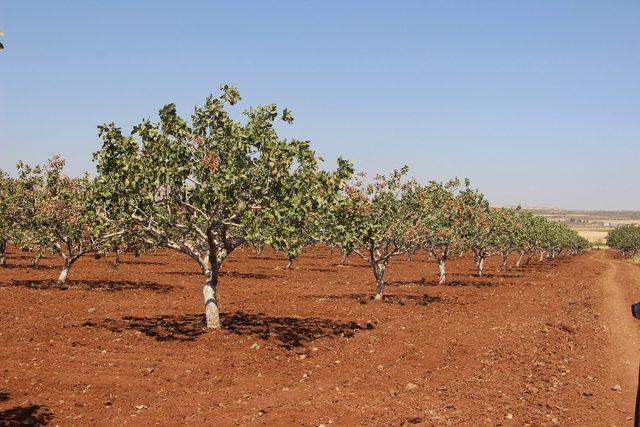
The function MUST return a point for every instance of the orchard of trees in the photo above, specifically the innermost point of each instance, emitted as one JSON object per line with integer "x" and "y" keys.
{"x": 625, "y": 239}
{"x": 211, "y": 184}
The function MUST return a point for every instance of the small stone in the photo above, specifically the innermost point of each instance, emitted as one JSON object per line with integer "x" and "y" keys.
{"x": 617, "y": 388}
{"x": 411, "y": 386}
{"x": 255, "y": 346}
{"x": 509, "y": 416}
{"x": 141, "y": 407}
{"x": 91, "y": 310}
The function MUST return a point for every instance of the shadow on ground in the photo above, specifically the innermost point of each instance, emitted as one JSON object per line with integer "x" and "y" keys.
{"x": 91, "y": 285}
{"x": 287, "y": 332}
{"x": 12, "y": 266}
{"x": 386, "y": 299}
{"x": 29, "y": 415}
{"x": 137, "y": 261}
{"x": 434, "y": 282}
{"x": 255, "y": 276}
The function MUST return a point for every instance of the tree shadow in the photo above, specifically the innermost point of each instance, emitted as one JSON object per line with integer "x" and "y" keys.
{"x": 476, "y": 283}
{"x": 185, "y": 327}
{"x": 288, "y": 332}
{"x": 267, "y": 257}
{"x": 422, "y": 282}
{"x": 4, "y": 396}
{"x": 31, "y": 415}
{"x": 434, "y": 282}
{"x": 91, "y": 285}
{"x": 12, "y": 266}
{"x": 502, "y": 274}
{"x": 182, "y": 273}
{"x": 235, "y": 274}
{"x": 386, "y": 299}
{"x": 140, "y": 262}
{"x": 319, "y": 269}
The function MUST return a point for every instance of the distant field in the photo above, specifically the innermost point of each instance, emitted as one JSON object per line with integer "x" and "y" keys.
{"x": 592, "y": 225}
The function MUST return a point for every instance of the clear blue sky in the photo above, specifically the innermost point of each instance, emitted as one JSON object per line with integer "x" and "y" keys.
{"x": 538, "y": 102}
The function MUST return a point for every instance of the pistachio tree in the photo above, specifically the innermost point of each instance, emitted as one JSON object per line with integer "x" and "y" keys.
{"x": 58, "y": 214}
{"x": 475, "y": 225}
{"x": 206, "y": 186}
{"x": 438, "y": 227}
{"x": 506, "y": 233}
{"x": 373, "y": 221}
{"x": 8, "y": 213}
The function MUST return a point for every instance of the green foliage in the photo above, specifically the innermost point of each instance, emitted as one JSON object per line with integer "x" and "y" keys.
{"x": 207, "y": 186}
{"x": 372, "y": 220}
{"x": 9, "y": 215}
{"x": 625, "y": 239}
{"x": 56, "y": 213}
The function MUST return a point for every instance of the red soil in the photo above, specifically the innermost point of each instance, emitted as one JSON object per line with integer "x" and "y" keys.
{"x": 538, "y": 345}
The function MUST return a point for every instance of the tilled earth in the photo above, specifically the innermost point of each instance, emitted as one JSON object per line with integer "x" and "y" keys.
{"x": 308, "y": 346}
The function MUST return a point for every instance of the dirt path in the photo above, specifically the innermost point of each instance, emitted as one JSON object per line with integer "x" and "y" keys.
{"x": 620, "y": 283}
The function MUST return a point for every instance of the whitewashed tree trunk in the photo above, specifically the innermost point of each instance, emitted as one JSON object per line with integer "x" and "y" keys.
{"x": 290, "y": 264}
{"x": 443, "y": 271}
{"x": 62, "y": 279}
{"x": 520, "y": 259}
{"x": 378, "y": 272}
{"x": 480, "y": 265}
{"x": 210, "y": 293}
{"x": 541, "y": 256}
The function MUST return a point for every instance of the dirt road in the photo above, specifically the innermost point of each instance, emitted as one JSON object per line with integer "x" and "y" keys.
{"x": 540, "y": 345}
{"x": 620, "y": 284}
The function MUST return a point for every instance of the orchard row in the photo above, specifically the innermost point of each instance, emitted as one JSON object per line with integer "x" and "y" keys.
{"x": 625, "y": 239}
{"x": 206, "y": 186}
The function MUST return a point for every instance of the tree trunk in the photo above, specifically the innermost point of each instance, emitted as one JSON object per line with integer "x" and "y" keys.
{"x": 118, "y": 252}
{"x": 443, "y": 272}
{"x": 378, "y": 272}
{"x": 541, "y": 256}
{"x": 3, "y": 253}
{"x": 480, "y": 265}
{"x": 290, "y": 264}
{"x": 505, "y": 259}
{"x": 531, "y": 255}
{"x": 210, "y": 293}
{"x": 62, "y": 279}
{"x": 520, "y": 259}
{"x": 344, "y": 258}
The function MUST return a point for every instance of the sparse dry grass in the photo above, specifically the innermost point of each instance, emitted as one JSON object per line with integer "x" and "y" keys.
{"x": 598, "y": 237}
